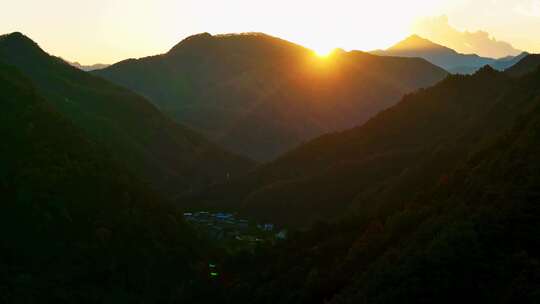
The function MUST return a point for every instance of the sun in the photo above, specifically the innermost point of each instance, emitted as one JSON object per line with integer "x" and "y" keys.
{"x": 323, "y": 52}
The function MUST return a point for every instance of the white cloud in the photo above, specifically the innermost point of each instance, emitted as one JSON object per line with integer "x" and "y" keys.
{"x": 530, "y": 9}
{"x": 482, "y": 43}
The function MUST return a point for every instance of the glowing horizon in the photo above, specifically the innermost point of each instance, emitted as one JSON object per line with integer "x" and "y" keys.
{"x": 107, "y": 31}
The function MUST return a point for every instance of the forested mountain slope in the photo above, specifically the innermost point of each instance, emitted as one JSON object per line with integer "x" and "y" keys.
{"x": 75, "y": 225}
{"x": 393, "y": 158}
{"x": 261, "y": 96}
{"x": 472, "y": 238}
{"x": 525, "y": 66}
{"x": 469, "y": 232}
{"x": 172, "y": 158}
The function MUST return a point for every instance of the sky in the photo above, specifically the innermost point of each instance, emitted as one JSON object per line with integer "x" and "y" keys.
{"x": 107, "y": 31}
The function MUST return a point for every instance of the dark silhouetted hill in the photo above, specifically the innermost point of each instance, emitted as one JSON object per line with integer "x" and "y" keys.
{"x": 260, "y": 96}
{"x": 172, "y": 158}
{"x": 527, "y": 65}
{"x": 76, "y": 226}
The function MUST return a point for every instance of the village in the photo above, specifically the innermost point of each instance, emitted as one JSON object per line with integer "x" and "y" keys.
{"x": 231, "y": 229}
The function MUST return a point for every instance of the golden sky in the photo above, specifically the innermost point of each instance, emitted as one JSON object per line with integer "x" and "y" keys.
{"x": 111, "y": 30}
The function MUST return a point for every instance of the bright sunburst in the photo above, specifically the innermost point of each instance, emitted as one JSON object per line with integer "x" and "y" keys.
{"x": 323, "y": 52}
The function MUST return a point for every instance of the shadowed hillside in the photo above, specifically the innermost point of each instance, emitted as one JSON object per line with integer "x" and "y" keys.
{"x": 168, "y": 156}
{"x": 433, "y": 200}
{"x": 260, "y": 96}
{"x": 76, "y": 226}
{"x": 471, "y": 237}
{"x": 527, "y": 65}
{"x": 437, "y": 198}
{"x": 391, "y": 159}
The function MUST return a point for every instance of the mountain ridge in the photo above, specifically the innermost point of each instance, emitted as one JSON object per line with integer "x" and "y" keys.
{"x": 527, "y": 65}
{"x": 173, "y": 157}
{"x": 259, "y": 95}
{"x": 70, "y": 210}
{"x": 447, "y": 58}
{"x": 88, "y": 68}
{"x": 404, "y": 149}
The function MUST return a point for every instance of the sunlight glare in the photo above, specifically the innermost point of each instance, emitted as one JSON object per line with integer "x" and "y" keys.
{"x": 323, "y": 52}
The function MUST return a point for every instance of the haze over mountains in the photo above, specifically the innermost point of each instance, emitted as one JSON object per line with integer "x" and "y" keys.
{"x": 450, "y": 60}
{"x": 89, "y": 68}
{"x": 439, "y": 30}
{"x": 260, "y": 96}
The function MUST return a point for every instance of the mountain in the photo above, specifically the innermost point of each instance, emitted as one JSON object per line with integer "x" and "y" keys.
{"x": 450, "y": 60}
{"x": 526, "y": 65}
{"x": 171, "y": 158}
{"x": 503, "y": 64}
{"x": 391, "y": 159}
{"x": 442, "y": 204}
{"x": 433, "y": 200}
{"x": 473, "y": 236}
{"x": 88, "y": 68}
{"x": 76, "y": 226}
{"x": 260, "y": 96}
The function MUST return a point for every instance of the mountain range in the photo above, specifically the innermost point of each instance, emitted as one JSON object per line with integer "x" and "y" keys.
{"x": 448, "y": 59}
{"x": 170, "y": 157}
{"x": 423, "y": 189}
{"x": 472, "y": 234}
{"x": 391, "y": 159}
{"x": 88, "y": 68}
{"x": 434, "y": 200}
{"x": 260, "y": 96}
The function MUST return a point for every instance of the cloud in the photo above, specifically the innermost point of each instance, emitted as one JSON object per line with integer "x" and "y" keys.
{"x": 438, "y": 30}
{"x": 531, "y": 9}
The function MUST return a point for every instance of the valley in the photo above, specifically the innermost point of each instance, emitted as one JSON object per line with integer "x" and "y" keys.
{"x": 246, "y": 168}
{"x": 232, "y": 232}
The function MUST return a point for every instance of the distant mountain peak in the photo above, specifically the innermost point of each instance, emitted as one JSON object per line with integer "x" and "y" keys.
{"x": 415, "y": 42}
{"x": 447, "y": 58}
{"x": 417, "y": 38}
{"x": 87, "y": 68}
